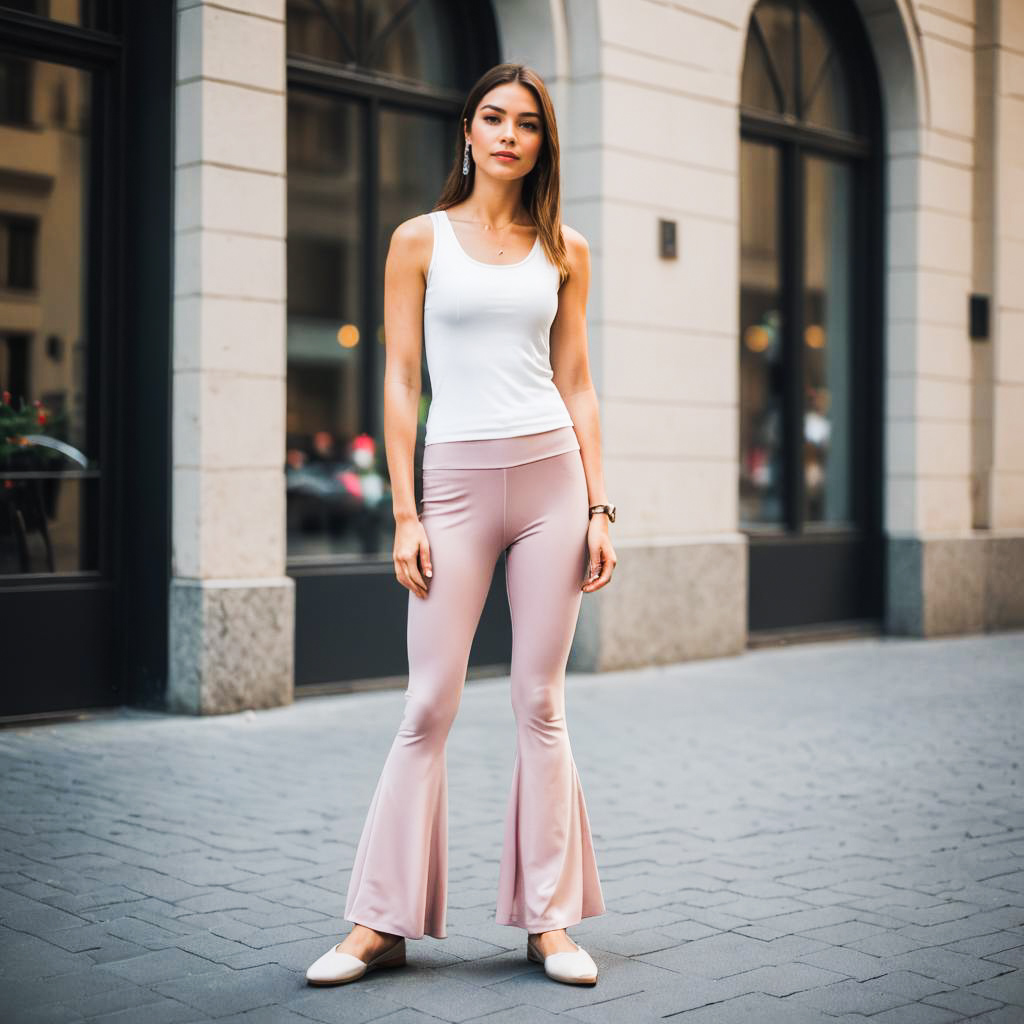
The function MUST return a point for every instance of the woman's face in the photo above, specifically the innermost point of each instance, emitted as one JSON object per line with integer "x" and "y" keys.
{"x": 508, "y": 120}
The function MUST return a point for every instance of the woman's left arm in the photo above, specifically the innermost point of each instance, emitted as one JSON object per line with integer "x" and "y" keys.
{"x": 571, "y": 366}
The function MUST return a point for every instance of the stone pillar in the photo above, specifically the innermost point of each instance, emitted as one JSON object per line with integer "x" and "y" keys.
{"x": 933, "y": 577}
{"x": 999, "y": 257}
{"x": 232, "y": 605}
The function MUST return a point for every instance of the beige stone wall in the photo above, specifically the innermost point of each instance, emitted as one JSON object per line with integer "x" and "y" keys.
{"x": 929, "y": 225}
{"x": 1001, "y": 172}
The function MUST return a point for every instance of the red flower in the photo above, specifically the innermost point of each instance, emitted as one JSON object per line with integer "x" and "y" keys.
{"x": 7, "y": 398}
{"x": 41, "y": 417}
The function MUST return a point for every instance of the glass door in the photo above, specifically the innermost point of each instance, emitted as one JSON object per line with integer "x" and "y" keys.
{"x": 810, "y": 314}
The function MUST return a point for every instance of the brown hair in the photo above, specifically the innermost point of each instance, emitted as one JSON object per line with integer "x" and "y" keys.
{"x": 542, "y": 195}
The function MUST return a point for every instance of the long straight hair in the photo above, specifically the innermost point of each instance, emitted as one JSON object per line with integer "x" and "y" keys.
{"x": 542, "y": 194}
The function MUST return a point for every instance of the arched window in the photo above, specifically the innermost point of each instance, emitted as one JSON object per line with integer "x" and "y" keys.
{"x": 809, "y": 312}
{"x": 794, "y": 69}
{"x": 421, "y": 42}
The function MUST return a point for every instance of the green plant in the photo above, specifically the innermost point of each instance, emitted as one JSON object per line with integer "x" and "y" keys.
{"x": 16, "y": 424}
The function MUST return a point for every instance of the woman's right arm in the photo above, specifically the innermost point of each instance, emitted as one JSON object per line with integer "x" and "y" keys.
{"x": 404, "y": 287}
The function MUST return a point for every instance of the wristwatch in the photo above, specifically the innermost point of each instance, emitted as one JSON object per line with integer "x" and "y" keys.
{"x": 608, "y": 509}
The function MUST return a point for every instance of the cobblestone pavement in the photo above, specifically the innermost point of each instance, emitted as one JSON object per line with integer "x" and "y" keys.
{"x": 828, "y": 832}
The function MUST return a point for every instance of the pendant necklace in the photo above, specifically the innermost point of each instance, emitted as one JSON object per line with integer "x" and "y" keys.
{"x": 487, "y": 227}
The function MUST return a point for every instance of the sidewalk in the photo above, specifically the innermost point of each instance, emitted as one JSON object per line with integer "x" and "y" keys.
{"x": 829, "y": 832}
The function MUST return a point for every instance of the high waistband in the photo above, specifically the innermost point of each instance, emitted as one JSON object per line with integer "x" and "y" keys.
{"x": 500, "y": 452}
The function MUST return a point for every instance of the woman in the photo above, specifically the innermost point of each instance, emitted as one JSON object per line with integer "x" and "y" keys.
{"x": 497, "y": 289}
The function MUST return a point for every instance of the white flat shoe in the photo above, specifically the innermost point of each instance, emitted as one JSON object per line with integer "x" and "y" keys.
{"x": 334, "y": 967}
{"x": 573, "y": 966}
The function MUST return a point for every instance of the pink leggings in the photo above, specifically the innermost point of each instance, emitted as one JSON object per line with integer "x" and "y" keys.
{"x": 527, "y": 495}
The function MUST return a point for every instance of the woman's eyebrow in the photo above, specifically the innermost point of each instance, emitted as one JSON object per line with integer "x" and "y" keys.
{"x": 525, "y": 113}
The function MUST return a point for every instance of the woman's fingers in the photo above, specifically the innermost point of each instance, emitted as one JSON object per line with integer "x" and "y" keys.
{"x": 413, "y": 569}
{"x": 408, "y": 575}
{"x": 412, "y": 550}
{"x": 599, "y": 571}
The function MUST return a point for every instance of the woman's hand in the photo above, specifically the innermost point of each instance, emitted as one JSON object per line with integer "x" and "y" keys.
{"x": 411, "y": 553}
{"x": 602, "y": 554}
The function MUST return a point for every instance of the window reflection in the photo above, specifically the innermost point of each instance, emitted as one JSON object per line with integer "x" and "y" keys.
{"x": 49, "y": 476}
{"x": 409, "y": 39}
{"x": 336, "y": 472}
{"x": 770, "y": 68}
{"x": 84, "y": 13}
{"x": 824, "y": 99}
{"x": 337, "y": 500}
{"x": 827, "y": 364}
{"x": 762, "y": 486}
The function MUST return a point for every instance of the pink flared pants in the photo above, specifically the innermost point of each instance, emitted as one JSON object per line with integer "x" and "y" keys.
{"x": 526, "y": 495}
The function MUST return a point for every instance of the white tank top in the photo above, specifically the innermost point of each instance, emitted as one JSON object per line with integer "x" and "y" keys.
{"x": 486, "y": 332}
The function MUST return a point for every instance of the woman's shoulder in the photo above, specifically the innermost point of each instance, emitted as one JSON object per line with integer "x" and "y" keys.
{"x": 412, "y": 241}
{"x": 577, "y": 252}
{"x": 574, "y": 240}
{"x": 415, "y": 229}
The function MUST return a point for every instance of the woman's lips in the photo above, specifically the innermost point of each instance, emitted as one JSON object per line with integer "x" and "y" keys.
{"x": 505, "y": 156}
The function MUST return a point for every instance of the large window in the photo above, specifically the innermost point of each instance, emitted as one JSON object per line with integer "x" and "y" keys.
{"x": 800, "y": 157}
{"x": 49, "y": 441}
{"x": 374, "y": 93}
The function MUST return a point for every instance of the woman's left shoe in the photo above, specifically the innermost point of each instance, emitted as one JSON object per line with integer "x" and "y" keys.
{"x": 575, "y": 966}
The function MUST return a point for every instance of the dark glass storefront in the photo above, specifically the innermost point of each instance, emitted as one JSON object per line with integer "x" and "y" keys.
{"x": 86, "y": 168}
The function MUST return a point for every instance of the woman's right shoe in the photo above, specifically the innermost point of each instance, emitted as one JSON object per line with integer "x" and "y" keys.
{"x": 335, "y": 967}
{"x": 574, "y": 966}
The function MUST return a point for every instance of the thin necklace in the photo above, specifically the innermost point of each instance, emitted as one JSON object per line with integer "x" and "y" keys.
{"x": 487, "y": 227}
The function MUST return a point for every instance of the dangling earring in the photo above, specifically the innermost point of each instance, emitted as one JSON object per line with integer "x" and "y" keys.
{"x": 465, "y": 159}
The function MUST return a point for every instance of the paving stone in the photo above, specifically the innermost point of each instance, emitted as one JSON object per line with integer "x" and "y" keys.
{"x": 911, "y": 984}
{"x": 843, "y": 960}
{"x": 165, "y": 1011}
{"x": 50, "y": 1013}
{"x": 115, "y": 999}
{"x": 1008, "y": 957}
{"x": 882, "y": 944}
{"x": 965, "y": 1003}
{"x": 221, "y": 992}
{"x": 986, "y": 945}
{"x": 916, "y": 1013}
{"x": 864, "y": 997}
{"x": 160, "y": 965}
{"x": 345, "y": 1004}
{"x": 785, "y": 979}
{"x": 1007, "y": 988}
{"x": 754, "y": 1006}
{"x": 1004, "y": 1015}
{"x": 957, "y": 969}
{"x": 60, "y": 988}
{"x": 433, "y": 993}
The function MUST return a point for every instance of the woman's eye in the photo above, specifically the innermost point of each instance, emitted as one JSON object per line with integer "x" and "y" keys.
{"x": 527, "y": 124}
